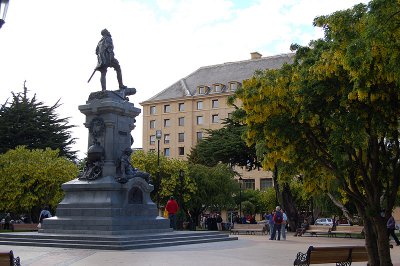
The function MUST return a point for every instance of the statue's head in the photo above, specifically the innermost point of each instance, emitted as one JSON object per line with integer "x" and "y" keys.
{"x": 105, "y": 32}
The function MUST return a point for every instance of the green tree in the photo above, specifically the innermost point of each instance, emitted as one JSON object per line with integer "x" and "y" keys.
{"x": 268, "y": 200}
{"x": 215, "y": 187}
{"x": 31, "y": 179}
{"x": 248, "y": 208}
{"x": 334, "y": 114}
{"x": 165, "y": 178}
{"x": 27, "y": 122}
{"x": 225, "y": 145}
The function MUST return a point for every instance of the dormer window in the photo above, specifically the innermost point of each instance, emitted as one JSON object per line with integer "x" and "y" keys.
{"x": 234, "y": 85}
{"x": 218, "y": 87}
{"x": 203, "y": 90}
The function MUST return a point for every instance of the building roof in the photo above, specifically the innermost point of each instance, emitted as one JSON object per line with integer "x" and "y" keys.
{"x": 220, "y": 74}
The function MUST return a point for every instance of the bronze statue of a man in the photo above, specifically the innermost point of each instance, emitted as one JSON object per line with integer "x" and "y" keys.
{"x": 106, "y": 59}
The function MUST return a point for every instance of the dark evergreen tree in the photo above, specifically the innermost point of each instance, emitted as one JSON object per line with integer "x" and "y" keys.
{"x": 29, "y": 122}
{"x": 225, "y": 145}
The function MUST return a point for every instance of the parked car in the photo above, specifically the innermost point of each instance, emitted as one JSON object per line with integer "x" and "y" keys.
{"x": 324, "y": 221}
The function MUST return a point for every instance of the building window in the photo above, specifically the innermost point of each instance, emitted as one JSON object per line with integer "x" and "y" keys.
{"x": 181, "y": 151}
{"x": 152, "y": 123}
{"x": 152, "y": 139}
{"x": 167, "y": 108}
{"x": 199, "y": 135}
{"x": 265, "y": 183}
{"x": 166, "y": 152}
{"x": 167, "y": 122}
{"x": 249, "y": 184}
{"x": 199, "y": 105}
{"x": 199, "y": 120}
{"x": 215, "y": 104}
{"x": 217, "y": 87}
{"x": 234, "y": 86}
{"x": 152, "y": 150}
{"x": 181, "y": 107}
{"x": 181, "y": 121}
{"x": 152, "y": 109}
{"x": 181, "y": 137}
{"x": 166, "y": 138}
{"x": 215, "y": 118}
{"x": 201, "y": 90}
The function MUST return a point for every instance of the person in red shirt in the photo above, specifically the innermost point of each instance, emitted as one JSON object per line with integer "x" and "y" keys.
{"x": 172, "y": 208}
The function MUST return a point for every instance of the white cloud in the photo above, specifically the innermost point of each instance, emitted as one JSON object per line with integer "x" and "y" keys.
{"x": 51, "y": 43}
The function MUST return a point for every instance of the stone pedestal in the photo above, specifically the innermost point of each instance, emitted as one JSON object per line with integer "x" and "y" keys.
{"x": 102, "y": 205}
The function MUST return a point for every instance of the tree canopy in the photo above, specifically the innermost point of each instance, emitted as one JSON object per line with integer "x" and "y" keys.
{"x": 29, "y": 122}
{"x": 334, "y": 113}
{"x": 31, "y": 179}
{"x": 225, "y": 145}
{"x": 165, "y": 178}
{"x": 215, "y": 186}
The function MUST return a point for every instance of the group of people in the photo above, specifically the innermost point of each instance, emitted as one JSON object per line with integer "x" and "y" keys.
{"x": 212, "y": 222}
{"x": 277, "y": 221}
{"x": 247, "y": 219}
{"x": 7, "y": 221}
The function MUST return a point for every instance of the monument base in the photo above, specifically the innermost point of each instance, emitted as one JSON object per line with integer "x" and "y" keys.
{"x": 106, "y": 207}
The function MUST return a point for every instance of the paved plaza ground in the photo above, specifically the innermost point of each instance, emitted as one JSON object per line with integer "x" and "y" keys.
{"x": 248, "y": 250}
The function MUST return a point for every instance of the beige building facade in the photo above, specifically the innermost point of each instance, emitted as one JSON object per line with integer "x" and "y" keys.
{"x": 183, "y": 111}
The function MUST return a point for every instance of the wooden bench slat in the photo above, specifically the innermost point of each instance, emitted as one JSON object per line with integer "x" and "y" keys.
{"x": 348, "y": 230}
{"x": 318, "y": 229}
{"x": 248, "y": 228}
{"x": 24, "y": 227}
{"x": 321, "y": 255}
{"x": 7, "y": 259}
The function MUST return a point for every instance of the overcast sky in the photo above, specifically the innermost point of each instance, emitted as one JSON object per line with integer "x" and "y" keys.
{"x": 51, "y": 44}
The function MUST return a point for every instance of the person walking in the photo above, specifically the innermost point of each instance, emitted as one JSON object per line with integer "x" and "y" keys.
{"x": 391, "y": 226}
{"x": 172, "y": 207}
{"x": 284, "y": 223}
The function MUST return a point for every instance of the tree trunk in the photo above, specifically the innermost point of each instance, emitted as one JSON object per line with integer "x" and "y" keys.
{"x": 276, "y": 186}
{"x": 346, "y": 212}
{"x": 376, "y": 238}
{"x": 290, "y": 208}
{"x": 370, "y": 242}
{"x": 382, "y": 241}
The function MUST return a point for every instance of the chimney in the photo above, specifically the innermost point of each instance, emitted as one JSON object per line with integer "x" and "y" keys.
{"x": 255, "y": 55}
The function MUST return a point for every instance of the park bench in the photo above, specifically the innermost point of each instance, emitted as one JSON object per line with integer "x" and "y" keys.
{"x": 315, "y": 230}
{"x": 248, "y": 228}
{"x": 24, "y": 227}
{"x": 348, "y": 230}
{"x": 8, "y": 259}
{"x": 343, "y": 255}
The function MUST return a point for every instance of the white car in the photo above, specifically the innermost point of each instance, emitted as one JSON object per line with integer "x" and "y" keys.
{"x": 324, "y": 221}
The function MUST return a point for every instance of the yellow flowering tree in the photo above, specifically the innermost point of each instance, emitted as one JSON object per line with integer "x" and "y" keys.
{"x": 30, "y": 179}
{"x": 333, "y": 115}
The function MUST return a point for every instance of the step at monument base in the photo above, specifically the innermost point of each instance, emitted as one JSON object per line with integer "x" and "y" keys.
{"x": 112, "y": 242}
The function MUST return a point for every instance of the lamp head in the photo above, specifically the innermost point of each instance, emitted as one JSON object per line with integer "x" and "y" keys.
{"x": 3, "y": 11}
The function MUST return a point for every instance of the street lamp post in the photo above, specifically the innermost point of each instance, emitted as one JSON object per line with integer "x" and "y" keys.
{"x": 181, "y": 204}
{"x": 3, "y": 11}
{"x": 240, "y": 197}
{"x": 158, "y": 137}
{"x": 181, "y": 176}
